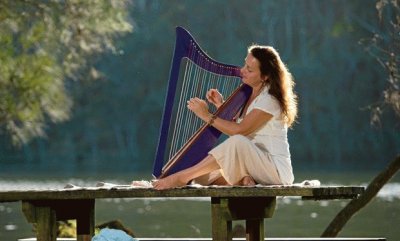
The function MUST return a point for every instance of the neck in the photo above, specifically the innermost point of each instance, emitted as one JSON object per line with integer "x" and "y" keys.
{"x": 257, "y": 90}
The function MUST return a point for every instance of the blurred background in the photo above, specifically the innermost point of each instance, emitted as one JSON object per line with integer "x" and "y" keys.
{"x": 82, "y": 83}
{"x": 114, "y": 120}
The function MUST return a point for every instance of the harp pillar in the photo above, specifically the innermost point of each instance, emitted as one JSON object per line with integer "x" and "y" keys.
{"x": 253, "y": 210}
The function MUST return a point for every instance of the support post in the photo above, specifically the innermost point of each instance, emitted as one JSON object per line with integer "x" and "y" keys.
{"x": 221, "y": 221}
{"x": 46, "y": 213}
{"x": 251, "y": 209}
{"x": 45, "y": 219}
{"x": 255, "y": 229}
{"x": 85, "y": 221}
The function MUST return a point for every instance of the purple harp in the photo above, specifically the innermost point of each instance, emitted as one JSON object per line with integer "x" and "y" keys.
{"x": 185, "y": 139}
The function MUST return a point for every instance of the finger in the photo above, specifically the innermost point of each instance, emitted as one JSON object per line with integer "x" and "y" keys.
{"x": 210, "y": 92}
{"x": 215, "y": 92}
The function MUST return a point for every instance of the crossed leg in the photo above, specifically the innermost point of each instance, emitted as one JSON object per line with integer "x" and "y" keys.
{"x": 207, "y": 165}
{"x": 181, "y": 178}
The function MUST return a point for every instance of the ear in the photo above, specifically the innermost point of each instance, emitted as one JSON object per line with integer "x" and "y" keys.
{"x": 264, "y": 80}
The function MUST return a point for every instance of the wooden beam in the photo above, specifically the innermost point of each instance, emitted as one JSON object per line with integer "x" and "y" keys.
{"x": 255, "y": 229}
{"x": 45, "y": 219}
{"x": 221, "y": 219}
{"x": 253, "y": 210}
{"x": 45, "y": 213}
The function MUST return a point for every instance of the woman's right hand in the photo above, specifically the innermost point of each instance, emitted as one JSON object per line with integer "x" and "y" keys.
{"x": 214, "y": 97}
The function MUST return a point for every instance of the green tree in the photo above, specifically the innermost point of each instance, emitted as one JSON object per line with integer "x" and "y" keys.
{"x": 46, "y": 44}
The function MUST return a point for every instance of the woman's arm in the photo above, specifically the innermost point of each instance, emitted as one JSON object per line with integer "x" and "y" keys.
{"x": 251, "y": 122}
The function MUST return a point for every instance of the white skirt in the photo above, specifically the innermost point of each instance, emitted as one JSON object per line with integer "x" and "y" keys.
{"x": 238, "y": 157}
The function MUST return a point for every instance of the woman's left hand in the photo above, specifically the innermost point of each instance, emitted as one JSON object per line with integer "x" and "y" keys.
{"x": 199, "y": 107}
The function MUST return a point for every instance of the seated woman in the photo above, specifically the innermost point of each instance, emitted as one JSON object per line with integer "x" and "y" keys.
{"x": 257, "y": 150}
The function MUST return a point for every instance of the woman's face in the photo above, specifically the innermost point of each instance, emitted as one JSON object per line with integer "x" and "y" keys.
{"x": 251, "y": 73}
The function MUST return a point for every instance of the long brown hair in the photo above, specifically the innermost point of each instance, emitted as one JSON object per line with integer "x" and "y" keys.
{"x": 280, "y": 80}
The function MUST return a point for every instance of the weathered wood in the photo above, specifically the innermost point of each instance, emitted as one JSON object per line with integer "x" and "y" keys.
{"x": 85, "y": 220}
{"x": 255, "y": 229}
{"x": 45, "y": 213}
{"x": 323, "y": 192}
{"x": 46, "y": 226}
{"x": 221, "y": 222}
{"x": 45, "y": 219}
{"x": 253, "y": 210}
{"x": 252, "y": 204}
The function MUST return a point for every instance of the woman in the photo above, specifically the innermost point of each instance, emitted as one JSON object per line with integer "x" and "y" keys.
{"x": 257, "y": 150}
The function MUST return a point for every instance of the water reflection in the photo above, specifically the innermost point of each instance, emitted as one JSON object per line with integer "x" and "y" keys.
{"x": 314, "y": 215}
{"x": 10, "y": 227}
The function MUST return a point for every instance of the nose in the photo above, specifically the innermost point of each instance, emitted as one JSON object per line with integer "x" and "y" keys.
{"x": 241, "y": 72}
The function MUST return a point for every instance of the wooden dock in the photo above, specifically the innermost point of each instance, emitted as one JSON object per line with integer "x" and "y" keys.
{"x": 252, "y": 204}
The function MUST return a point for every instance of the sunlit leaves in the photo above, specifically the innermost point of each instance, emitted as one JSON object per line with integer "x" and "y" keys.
{"x": 384, "y": 46}
{"x": 44, "y": 43}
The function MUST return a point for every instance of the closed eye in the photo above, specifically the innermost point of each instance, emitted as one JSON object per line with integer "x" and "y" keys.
{"x": 248, "y": 68}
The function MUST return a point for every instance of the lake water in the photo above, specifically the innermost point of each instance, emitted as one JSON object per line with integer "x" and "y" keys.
{"x": 190, "y": 217}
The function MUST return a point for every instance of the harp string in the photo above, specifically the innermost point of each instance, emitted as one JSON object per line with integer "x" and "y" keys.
{"x": 180, "y": 112}
{"x": 197, "y": 80}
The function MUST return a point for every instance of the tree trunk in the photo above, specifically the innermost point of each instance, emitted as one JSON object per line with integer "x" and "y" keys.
{"x": 356, "y": 204}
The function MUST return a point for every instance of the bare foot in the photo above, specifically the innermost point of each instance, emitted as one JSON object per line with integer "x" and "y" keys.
{"x": 174, "y": 180}
{"x": 247, "y": 181}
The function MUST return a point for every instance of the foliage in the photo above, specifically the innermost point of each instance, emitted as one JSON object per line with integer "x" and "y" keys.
{"x": 66, "y": 229}
{"x": 384, "y": 46}
{"x": 45, "y": 44}
{"x": 116, "y": 119}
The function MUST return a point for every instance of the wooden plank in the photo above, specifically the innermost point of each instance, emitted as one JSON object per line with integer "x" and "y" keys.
{"x": 329, "y": 192}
